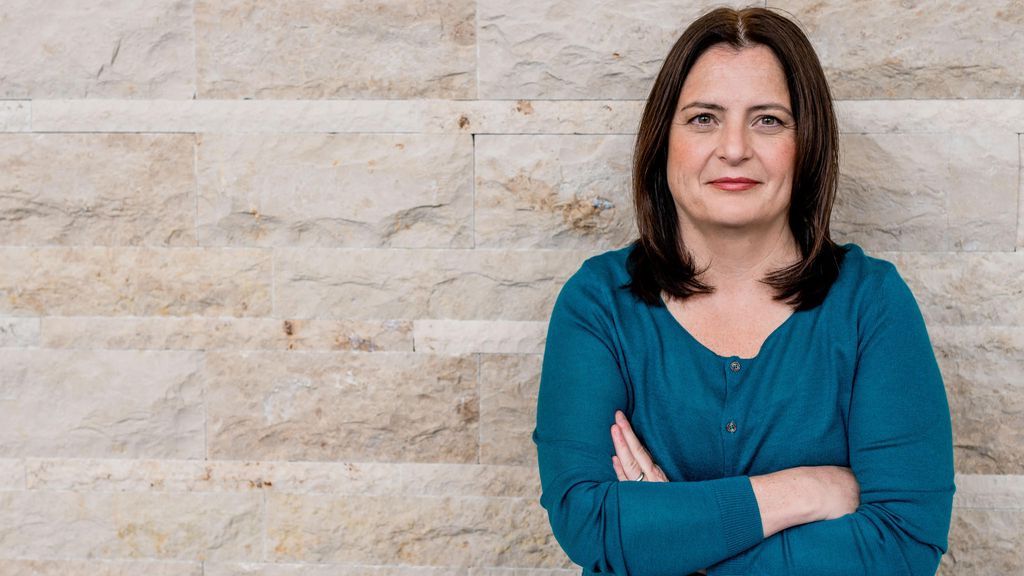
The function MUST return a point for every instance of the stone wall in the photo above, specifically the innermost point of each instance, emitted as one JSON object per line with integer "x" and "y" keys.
{"x": 274, "y": 276}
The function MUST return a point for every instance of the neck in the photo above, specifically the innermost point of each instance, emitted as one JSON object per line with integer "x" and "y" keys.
{"x": 737, "y": 259}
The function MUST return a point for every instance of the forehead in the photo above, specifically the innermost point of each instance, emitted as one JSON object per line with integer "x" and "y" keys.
{"x": 724, "y": 73}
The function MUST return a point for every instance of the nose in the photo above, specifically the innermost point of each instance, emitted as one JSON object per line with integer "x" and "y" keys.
{"x": 733, "y": 143}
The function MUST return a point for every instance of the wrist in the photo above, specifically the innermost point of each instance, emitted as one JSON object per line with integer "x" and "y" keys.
{"x": 786, "y": 498}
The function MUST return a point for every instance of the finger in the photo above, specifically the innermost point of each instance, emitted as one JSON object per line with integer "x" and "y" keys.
{"x": 619, "y": 472}
{"x": 630, "y": 465}
{"x": 635, "y": 446}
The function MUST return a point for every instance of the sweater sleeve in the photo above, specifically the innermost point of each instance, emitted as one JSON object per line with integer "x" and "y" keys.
{"x": 607, "y": 526}
{"x": 900, "y": 447}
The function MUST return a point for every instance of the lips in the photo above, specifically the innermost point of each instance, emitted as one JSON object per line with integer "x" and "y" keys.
{"x": 734, "y": 184}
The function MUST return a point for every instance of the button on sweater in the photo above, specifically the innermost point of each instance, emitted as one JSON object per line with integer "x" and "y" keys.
{"x": 852, "y": 382}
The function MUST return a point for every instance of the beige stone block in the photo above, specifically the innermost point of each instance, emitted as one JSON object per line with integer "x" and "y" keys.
{"x": 941, "y": 116}
{"x": 148, "y": 200}
{"x": 19, "y": 332}
{"x": 302, "y": 569}
{"x": 984, "y": 542}
{"x": 308, "y": 49}
{"x": 130, "y": 525}
{"x": 508, "y": 408}
{"x": 416, "y": 531}
{"x": 15, "y": 116}
{"x": 195, "y": 333}
{"x": 928, "y": 191}
{"x": 349, "y": 478}
{"x": 381, "y": 406}
{"x": 106, "y": 49}
{"x": 112, "y": 403}
{"x": 1020, "y": 194}
{"x": 12, "y": 474}
{"x": 965, "y": 288}
{"x": 554, "y": 192}
{"x": 340, "y": 116}
{"x": 134, "y": 281}
{"x": 419, "y": 284}
{"x": 983, "y": 369}
{"x": 469, "y": 336}
{"x": 374, "y": 190}
{"x": 15, "y": 567}
{"x": 497, "y": 571}
{"x": 989, "y": 491}
{"x": 577, "y": 49}
{"x": 945, "y": 49}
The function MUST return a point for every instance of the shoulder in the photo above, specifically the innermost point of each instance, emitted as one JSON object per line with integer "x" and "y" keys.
{"x": 867, "y": 276}
{"x": 603, "y": 274}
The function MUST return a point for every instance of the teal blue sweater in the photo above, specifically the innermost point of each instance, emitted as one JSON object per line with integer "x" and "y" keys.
{"x": 852, "y": 382}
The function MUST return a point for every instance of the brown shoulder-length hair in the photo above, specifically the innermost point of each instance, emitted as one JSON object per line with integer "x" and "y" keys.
{"x": 660, "y": 260}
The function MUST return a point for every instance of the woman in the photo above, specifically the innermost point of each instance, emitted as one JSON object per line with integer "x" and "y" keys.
{"x": 733, "y": 391}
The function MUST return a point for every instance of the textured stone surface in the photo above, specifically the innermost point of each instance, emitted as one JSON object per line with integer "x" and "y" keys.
{"x": 418, "y": 531}
{"x": 105, "y": 49}
{"x": 12, "y": 473}
{"x": 508, "y": 407}
{"x": 983, "y": 368}
{"x": 1020, "y": 193}
{"x": 60, "y": 189}
{"x": 134, "y": 281}
{"x": 309, "y": 49}
{"x": 944, "y": 49}
{"x": 468, "y": 336}
{"x": 350, "y": 478}
{"x": 19, "y": 332}
{"x": 130, "y": 525}
{"x": 553, "y": 192}
{"x": 989, "y": 491}
{"x": 275, "y": 569}
{"x": 100, "y": 403}
{"x": 965, "y": 288}
{"x": 928, "y": 191}
{"x": 14, "y": 567}
{"x": 471, "y": 116}
{"x": 336, "y": 190}
{"x": 15, "y": 116}
{"x": 381, "y": 406}
{"x": 194, "y": 333}
{"x": 422, "y": 284}
{"x": 983, "y": 542}
{"x": 936, "y": 116}
{"x": 577, "y": 49}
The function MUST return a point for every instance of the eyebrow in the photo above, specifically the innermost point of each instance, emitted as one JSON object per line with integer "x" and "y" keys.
{"x": 719, "y": 107}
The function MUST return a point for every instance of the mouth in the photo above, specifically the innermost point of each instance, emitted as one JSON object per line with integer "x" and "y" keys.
{"x": 734, "y": 184}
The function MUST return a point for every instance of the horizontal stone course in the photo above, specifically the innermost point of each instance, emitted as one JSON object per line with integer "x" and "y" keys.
{"x": 101, "y": 403}
{"x": 122, "y": 526}
{"x": 416, "y": 531}
{"x": 197, "y": 333}
{"x": 374, "y": 190}
{"x": 126, "y": 281}
{"x": 148, "y": 200}
{"x": 468, "y": 336}
{"x": 15, "y": 116}
{"x": 338, "y": 478}
{"x": 12, "y": 474}
{"x": 25, "y": 567}
{"x": 421, "y": 284}
{"x": 381, "y": 406}
{"x": 289, "y": 49}
{"x": 106, "y": 49}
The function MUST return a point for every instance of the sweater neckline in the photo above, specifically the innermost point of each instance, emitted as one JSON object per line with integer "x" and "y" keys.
{"x": 668, "y": 317}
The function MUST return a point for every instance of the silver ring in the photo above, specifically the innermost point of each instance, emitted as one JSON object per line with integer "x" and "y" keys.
{"x": 640, "y": 479}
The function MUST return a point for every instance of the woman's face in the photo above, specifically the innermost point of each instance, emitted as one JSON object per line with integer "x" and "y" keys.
{"x": 732, "y": 144}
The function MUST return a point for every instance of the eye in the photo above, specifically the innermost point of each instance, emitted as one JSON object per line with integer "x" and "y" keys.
{"x": 769, "y": 121}
{"x": 702, "y": 119}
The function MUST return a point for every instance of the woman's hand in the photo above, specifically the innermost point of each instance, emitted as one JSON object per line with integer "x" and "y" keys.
{"x": 631, "y": 458}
